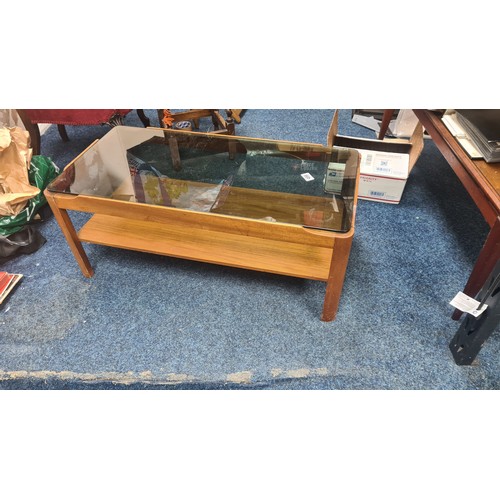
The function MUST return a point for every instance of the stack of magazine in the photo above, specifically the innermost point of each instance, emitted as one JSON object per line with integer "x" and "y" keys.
{"x": 483, "y": 128}
{"x": 7, "y": 283}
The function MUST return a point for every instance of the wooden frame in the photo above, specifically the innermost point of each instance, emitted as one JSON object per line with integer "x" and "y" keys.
{"x": 479, "y": 180}
{"x": 272, "y": 247}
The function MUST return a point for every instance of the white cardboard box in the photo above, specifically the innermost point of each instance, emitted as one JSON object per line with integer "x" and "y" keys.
{"x": 383, "y": 175}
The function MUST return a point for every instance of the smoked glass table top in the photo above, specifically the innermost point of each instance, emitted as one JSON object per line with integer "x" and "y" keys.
{"x": 276, "y": 181}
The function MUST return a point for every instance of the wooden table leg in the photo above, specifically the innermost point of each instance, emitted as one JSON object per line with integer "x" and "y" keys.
{"x": 69, "y": 233}
{"x": 338, "y": 267}
{"x": 486, "y": 261}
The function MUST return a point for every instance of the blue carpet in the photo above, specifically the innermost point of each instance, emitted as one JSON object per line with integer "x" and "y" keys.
{"x": 146, "y": 321}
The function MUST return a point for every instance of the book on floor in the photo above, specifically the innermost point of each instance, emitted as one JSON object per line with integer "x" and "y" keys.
{"x": 7, "y": 283}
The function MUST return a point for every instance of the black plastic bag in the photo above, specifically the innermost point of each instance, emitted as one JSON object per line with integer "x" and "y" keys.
{"x": 25, "y": 241}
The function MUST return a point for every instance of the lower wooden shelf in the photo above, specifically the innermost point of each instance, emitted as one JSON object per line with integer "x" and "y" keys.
{"x": 215, "y": 247}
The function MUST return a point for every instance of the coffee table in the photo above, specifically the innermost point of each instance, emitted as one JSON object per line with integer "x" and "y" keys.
{"x": 273, "y": 206}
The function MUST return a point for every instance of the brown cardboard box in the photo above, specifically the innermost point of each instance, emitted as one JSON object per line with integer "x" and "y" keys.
{"x": 385, "y": 164}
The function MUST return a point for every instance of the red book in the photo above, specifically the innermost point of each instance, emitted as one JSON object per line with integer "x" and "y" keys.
{"x": 5, "y": 279}
{"x": 7, "y": 283}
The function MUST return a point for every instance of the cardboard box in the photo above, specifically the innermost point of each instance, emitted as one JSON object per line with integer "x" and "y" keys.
{"x": 385, "y": 164}
{"x": 383, "y": 175}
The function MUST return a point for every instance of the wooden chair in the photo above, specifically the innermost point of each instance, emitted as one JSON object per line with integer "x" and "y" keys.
{"x": 221, "y": 125}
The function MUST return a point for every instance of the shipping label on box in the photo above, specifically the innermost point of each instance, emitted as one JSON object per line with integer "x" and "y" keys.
{"x": 334, "y": 178}
{"x": 383, "y": 175}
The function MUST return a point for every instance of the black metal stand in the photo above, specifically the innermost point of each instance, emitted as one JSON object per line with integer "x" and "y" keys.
{"x": 474, "y": 332}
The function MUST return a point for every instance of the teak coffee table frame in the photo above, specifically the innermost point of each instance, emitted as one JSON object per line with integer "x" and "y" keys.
{"x": 271, "y": 247}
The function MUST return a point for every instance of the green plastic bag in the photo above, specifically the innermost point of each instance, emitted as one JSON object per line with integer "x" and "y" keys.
{"x": 42, "y": 171}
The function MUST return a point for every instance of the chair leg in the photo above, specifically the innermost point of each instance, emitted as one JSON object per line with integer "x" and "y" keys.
{"x": 230, "y": 126}
{"x": 144, "y": 119}
{"x": 214, "y": 119}
{"x": 33, "y": 131}
{"x": 386, "y": 120}
{"x": 36, "y": 141}
{"x": 160, "y": 117}
{"x": 62, "y": 133}
{"x": 236, "y": 114}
